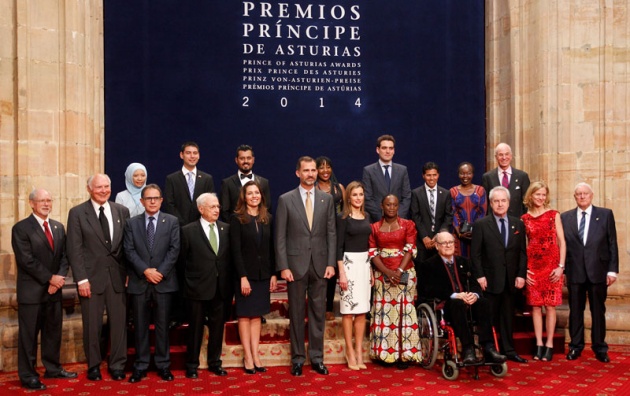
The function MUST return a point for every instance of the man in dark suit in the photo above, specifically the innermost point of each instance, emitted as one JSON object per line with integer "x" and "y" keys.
{"x": 39, "y": 246}
{"x": 499, "y": 260}
{"x": 431, "y": 210}
{"x": 384, "y": 178}
{"x": 448, "y": 278}
{"x": 152, "y": 249}
{"x": 305, "y": 255}
{"x": 592, "y": 265}
{"x": 231, "y": 186}
{"x": 515, "y": 180}
{"x": 95, "y": 252}
{"x": 206, "y": 256}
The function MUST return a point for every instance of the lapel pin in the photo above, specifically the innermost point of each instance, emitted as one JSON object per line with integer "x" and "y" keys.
{"x": 118, "y": 221}
{"x": 597, "y": 219}
{"x": 516, "y": 181}
{"x": 55, "y": 227}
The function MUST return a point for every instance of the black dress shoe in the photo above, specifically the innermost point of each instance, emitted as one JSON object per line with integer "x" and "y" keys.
{"x": 602, "y": 357}
{"x": 94, "y": 374}
{"x": 191, "y": 373}
{"x": 320, "y": 368}
{"x": 34, "y": 383}
{"x": 137, "y": 376}
{"x": 62, "y": 374}
{"x": 248, "y": 370}
{"x": 260, "y": 369}
{"x": 402, "y": 365}
{"x": 117, "y": 375}
{"x": 492, "y": 356}
{"x": 218, "y": 370}
{"x": 296, "y": 369}
{"x": 515, "y": 358}
{"x": 573, "y": 354}
{"x": 165, "y": 374}
{"x": 469, "y": 355}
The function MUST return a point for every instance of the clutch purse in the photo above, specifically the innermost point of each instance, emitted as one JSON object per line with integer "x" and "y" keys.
{"x": 404, "y": 278}
{"x": 465, "y": 227}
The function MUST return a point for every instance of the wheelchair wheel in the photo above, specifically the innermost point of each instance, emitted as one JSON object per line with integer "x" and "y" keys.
{"x": 450, "y": 370}
{"x": 499, "y": 370}
{"x": 428, "y": 335}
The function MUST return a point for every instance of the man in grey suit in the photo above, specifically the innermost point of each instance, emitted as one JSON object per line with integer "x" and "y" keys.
{"x": 305, "y": 257}
{"x": 95, "y": 252}
{"x": 384, "y": 178}
{"x": 152, "y": 249}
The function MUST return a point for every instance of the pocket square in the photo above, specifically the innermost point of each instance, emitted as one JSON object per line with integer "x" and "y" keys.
{"x": 518, "y": 187}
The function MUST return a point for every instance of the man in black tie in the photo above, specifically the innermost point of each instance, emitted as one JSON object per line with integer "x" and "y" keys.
{"x": 448, "y": 278}
{"x": 592, "y": 265}
{"x": 515, "y": 180}
{"x": 39, "y": 246}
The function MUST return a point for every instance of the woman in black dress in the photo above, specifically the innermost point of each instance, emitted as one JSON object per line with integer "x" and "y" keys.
{"x": 252, "y": 252}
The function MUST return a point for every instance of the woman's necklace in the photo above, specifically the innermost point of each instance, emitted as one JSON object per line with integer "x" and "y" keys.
{"x": 389, "y": 225}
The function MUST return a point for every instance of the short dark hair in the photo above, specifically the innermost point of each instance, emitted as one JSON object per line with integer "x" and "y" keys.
{"x": 304, "y": 158}
{"x": 385, "y": 137}
{"x": 152, "y": 186}
{"x": 244, "y": 147}
{"x": 472, "y": 168}
{"x": 430, "y": 165}
{"x": 188, "y": 144}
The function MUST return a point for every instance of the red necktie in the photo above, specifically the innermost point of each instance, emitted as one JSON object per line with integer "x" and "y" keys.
{"x": 49, "y": 235}
{"x": 505, "y": 182}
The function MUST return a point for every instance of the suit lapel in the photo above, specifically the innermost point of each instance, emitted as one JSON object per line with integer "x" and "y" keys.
{"x": 318, "y": 207}
{"x": 379, "y": 177}
{"x": 57, "y": 235}
{"x": 37, "y": 230}
{"x": 572, "y": 220}
{"x": 296, "y": 199}
{"x": 117, "y": 225}
{"x": 204, "y": 237}
{"x": 92, "y": 219}
{"x": 223, "y": 238}
{"x": 593, "y": 225}
{"x": 494, "y": 228}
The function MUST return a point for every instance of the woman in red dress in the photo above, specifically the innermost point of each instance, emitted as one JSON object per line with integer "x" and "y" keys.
{"x": 546, "y": 251}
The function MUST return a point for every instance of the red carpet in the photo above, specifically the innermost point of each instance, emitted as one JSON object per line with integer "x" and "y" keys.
{"x": 560, "y": 377}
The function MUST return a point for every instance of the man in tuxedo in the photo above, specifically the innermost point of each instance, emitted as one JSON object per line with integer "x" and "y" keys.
{"x": 231, "y": 186}
{"x": 384, "y": 178}
{"x": 152, "y": 249}
{"x": 305, "y": 257}
{"x": 431, "y": 210}
{"x": 39, "y": 246}
{"x": 205, "y": 253}
{"x": 499, "y": 263}
{"x": 95, "y": 252}
{"x": 515, "y": 180}
{"x": 592, "y": 265}
{"x": 448, "y": 278}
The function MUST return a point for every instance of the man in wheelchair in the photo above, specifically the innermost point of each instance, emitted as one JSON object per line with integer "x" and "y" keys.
{"x": 448, "y": 278}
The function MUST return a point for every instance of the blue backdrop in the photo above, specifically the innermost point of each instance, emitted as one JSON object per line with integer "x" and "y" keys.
{"x": 174, "y": 71}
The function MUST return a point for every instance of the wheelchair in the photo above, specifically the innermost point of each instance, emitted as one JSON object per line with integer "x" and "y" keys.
{"x": 436, "y": 335}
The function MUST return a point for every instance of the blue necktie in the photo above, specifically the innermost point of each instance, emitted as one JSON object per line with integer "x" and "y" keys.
{"x": 388, "y": 179}
{"x": 191, "y": 185}
{"x": 503, "y": 232}
{"x": 582, "y": 226}
{"x": 151, "y": 232}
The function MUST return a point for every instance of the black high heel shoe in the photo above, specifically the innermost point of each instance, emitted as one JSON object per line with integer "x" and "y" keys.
{"x": 247, "y": 370}
{"x": 548, "y": 356}
{"x": 540, "y": 349}
{"x": 260, "y": 369}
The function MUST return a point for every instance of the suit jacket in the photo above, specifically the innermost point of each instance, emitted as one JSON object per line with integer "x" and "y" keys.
{"x": 296, "y": 245}
{"x": 600, "y": 255}
{"x": 252, "y": 258}
{"x": 230, "y": 190}
{"x": 519, "y": 183}
{"x": 162, "y": 257}
{"x": 376, "y": 189}
{"x": 89, "y": 256}
{"x": 36, "y": 261}
{"x": 437, "y": 281}
{"x": 206, "y": 273}
{"x": 421, "y": 213}
{"x": 492, "y": 259}
{"x": 178, "y": 202}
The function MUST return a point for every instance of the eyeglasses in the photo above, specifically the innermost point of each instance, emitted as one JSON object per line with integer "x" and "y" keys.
{"x": 48, "y": 201}
{"x": 151, "y": 198}
{"x": 447, "y": 243}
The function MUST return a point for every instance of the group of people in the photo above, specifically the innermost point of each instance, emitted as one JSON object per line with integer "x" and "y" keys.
{"x": 385, "y": 245}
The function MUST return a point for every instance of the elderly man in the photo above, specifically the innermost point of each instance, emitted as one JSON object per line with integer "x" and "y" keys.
{"x": 39, "y": 246}
{"x": 592, "y": 265}
{"x": 95, "y": 252}
{"x": 515, "y": 180}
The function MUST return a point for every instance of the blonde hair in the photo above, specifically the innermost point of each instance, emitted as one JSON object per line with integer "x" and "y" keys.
{"x": 535, "y": 186}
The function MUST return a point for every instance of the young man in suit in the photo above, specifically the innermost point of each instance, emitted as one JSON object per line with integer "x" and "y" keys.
{"x": 384, "y": 178}
{"x": 39, "y": 246}
{"x": 152, "y": 249}
{"x": 95, "y": 253}
{"x": 515, "y": 180}
{"x": 448, "y": 278}
{"x": 499, "y": 263}
{"x": 592, "y": 265}
{"x": 205, "y": 252}
{"x": 305, "y": 255}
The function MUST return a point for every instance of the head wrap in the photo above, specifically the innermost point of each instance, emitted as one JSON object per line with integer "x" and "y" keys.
{"x": 133, "y": 190}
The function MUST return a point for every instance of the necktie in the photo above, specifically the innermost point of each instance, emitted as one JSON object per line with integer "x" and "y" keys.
{"x": 505, "y": 182}
{"x": 104, "y": 225}
{"x": 432, "y": 207}
{"x": 309, "y": 210}
{"x": 503, "y": 232}
{"x": 213, "y": 239}
{"x": 151, "y": 232}
{"x": 454, "y": 279}
{"x": 191, "y": 185}
{"x": 246, "y": 176}
{"x": 49, "y": 235}
{"x": 388, "y": 179}
{"x": 582, "y": 226}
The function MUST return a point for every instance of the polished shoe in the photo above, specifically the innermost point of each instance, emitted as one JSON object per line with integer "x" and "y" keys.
{"x": 548, "y": 355}
{"x": 117, "y": 375}
{"x": 515, "y": 358}
{"x": 602, "y": 357}
{"x": 191, "y": 373}
{"x": 492, "y": 356}
{"x": 165, "y": 374}
{"x": 468, "y": 355}
{"x": 248, "y": 370}
{"x": 218, "y": 370}
{"x": 34, "y": 383}
{"x": 402, "y": 365}
{"x": 296, "y": 369}
{"x": 94, "y": 374}
{"x": 573, "y": 354}
{"x": 62, "y": 374}
{"x": 137, "y": 376}
{"x": 319, "y": 368}
{"x": 540, "y": 349}
{"x": 260, "y": 369}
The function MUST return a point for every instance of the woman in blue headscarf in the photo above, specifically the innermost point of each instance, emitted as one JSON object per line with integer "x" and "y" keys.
{"x": 135, "y": 180}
